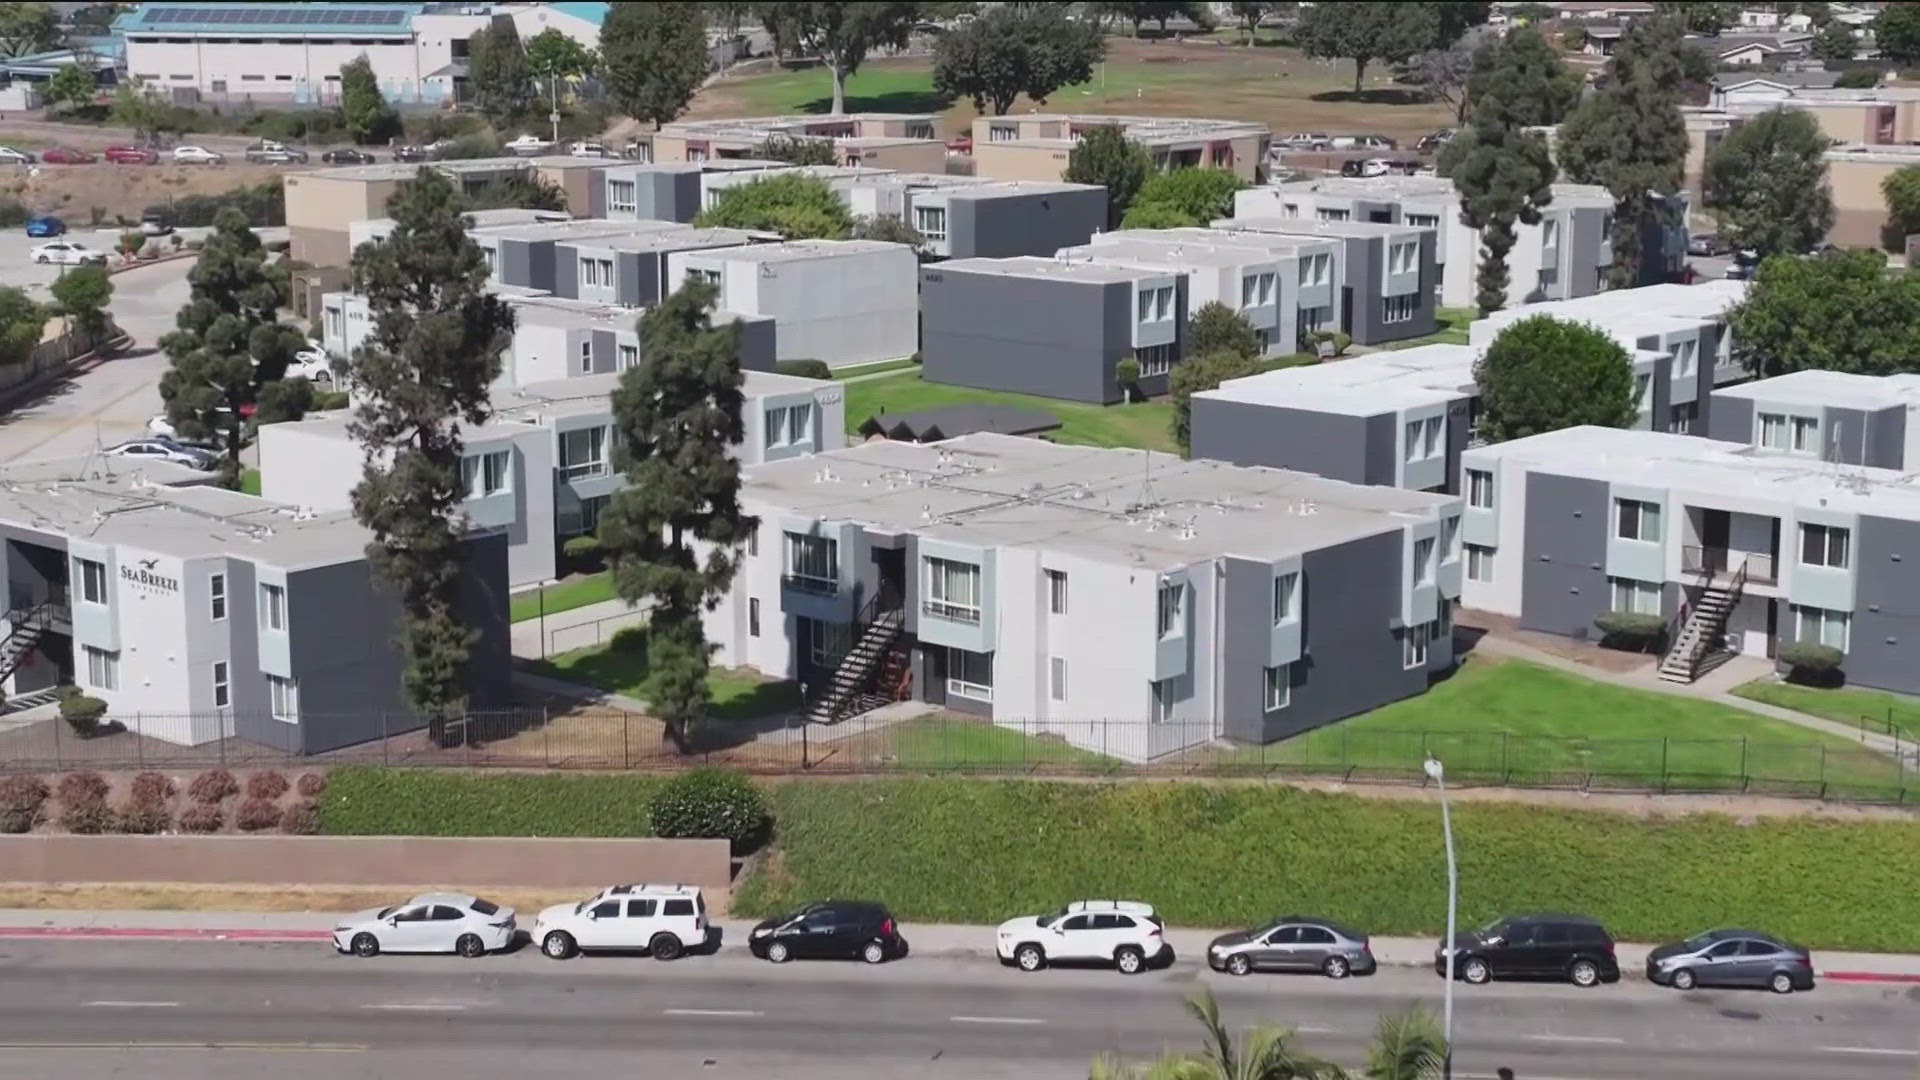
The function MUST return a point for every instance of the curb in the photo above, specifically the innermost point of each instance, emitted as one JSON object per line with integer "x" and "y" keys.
{"x": 162, "y": 934}
{"x": 1866, "y": 977}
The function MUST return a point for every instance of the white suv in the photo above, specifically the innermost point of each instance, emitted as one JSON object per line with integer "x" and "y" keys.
{"x": 1123, "y": 933}
{"x": 661, "y": 919}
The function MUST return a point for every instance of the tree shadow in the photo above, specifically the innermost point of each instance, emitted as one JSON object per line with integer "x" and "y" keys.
{"x": 1373, "y": 97}
{"x": 893, "y": 101}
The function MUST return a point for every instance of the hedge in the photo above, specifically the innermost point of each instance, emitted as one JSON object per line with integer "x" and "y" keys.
{"x": 364, "y": 800}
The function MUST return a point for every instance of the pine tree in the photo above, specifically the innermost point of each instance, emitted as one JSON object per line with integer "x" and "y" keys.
{"x": 368, "y": 117}
{"x": 432, "y": 352}
{"x": 498, "y": 71}
{"x": 671, "y": 533}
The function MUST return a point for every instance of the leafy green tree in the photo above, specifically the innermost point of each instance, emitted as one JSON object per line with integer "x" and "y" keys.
{"x": 1857, "y": 79}
{"x": 1249, "y": 13}
{"x": 28, "y": 28}
{"x": 672, "y": 534}
{"x": 797, "y": 206}
{"x": 1267, "y": 1052}
{"x": 364, "y": 108}
{"x": 228, "y": 346}
{"x": 1837, "y": 311}
{"x": 1543, "y": 374}
{"x": 136, "y": 106}
{"x": 839, "y": 32}
{"x": 82, "y": 295}
{"x": 729, "y": 15}
{"x": 1010, "y": 51}
{"x": 1700, "y": 16}
{"x": 888, "y": 228}
{"x": 1366, "y": 32}
{"x": 498, "y": 72}
{"x": 1630, "y": 137}
{"x": 653, "y": 58}
{"x": 1196, "y": 373}
{"x": 22, "y": 323}
{"x": 435, "y": 336}
{"x": 1896, "y": 32}
{"x": 1835, "y": 43}
{"x": 1901, "y": 190}
{"x": 1767, "y": 183}
{"x": 93, "y": 20}
{"x": 797, "y": 150}
{"x": 556, "y": 58}
{"x": 71, "y": 87}
{"x": 1183, "y": 197}
{"x": 1217, "y": 328}
{"x": 1105, "y": 156}
{"x": 1535, "y": 86}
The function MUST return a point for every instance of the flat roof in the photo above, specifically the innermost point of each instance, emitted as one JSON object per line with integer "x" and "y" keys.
{"x": 1364, "y": 385}
{"x": 1148, "y": 128}
{"x": 1883, "y": 154}
{"x": 1839, "y": 389}
{"x": 1124, "y": 506}
{"x": 575, "y": 228}
{"x": 1033, "y": 266}
{"x": 711, "y": 165}
{"x": 407, "y": 170}
{"x": 681, "y": 239}
{"x": 801, "y": 250}
{"x": 1625, "y": 308}
{"x": 1217, "y": 239}
{"x": 1657, "y": 459}
{"x": 572, "y": 161}
{"x": 1420, "y": 187}
{"x": 1362, "y": 230}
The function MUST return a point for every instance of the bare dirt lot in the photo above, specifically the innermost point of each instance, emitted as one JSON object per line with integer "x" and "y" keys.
{"x": 74, "y": 192}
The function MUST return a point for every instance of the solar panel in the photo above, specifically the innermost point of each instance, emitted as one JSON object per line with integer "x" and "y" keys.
{"x": 174, "y": 16}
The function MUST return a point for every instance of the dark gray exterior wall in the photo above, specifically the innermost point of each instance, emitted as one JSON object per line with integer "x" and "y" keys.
{"x": 1036, "y": 223}
{"x": 1459, "y": 426}
{"x": 1584, "y": 227}
{"x": 757, "y": 352}
{"x": 1886, "y": 627}
{"x": 1730, "y": 419}
{"x": 1865, "y": 437}
{"x": 1056, "y": 339}
{"x": 1887, "y": 438}
{"x": 628, "y": 285}
{"x": 560, "y": 276}
{"x": 1382, "y": 445}
{"x": 252, "y": 710}
{"x": 1363, "y": 305}
{"x": 515, "y": 264}
{"x": 1563, "y": 584}
{"x": 1332, "y": 445}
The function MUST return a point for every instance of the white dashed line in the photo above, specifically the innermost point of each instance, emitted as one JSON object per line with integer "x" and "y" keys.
{"x": 1308, "y": 1029}
{"x": 416, "y": 1006}
{"x": 1584, "y": 1040}
{"x": 133, "y": 1004}
{"x": 712, "y": 1012}
{"x": 1880, "y": 1050}
{"x": 1026, "y": 1021}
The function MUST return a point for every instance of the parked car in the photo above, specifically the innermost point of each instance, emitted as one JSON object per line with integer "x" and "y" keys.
{"x": 66, "y": 155}
{"x": 589, "y": 149}
{"x": 1124, "y": 933}
{"x": 406, "y": 154}
{"x": 1362, "y": 142}
{"x": 1368, "y": 167}
{"x": 10, "y": 156}
{"x": 313, "y": 365}
{"x": 132, "y": 155}
{"x": 831, "y": 929}
{"x": 1732, "y": 958}
{"x": 527, "y": 145}
{"x": 155, "y": 225}
{"x": 46, "y": 225}
{"x": 1571, "y": 947}
{"x": 664, "y": 920}
{"x": 67, "y": 253}
{"x": 347, "y": 156}
{"x": 197, "y": 155}
{"x": 156, "y": 449}
{"x": 269, "y": 152}
{"x": 1434, "y": 140}
{"x": 1294, "y": 943}
{"x": 1707, "y": 245}
{"x": 960, "y": 144}
{"x": 158, "y": 426}
{"x": 430, "y": 923}
{"x": 1306, "y": 140}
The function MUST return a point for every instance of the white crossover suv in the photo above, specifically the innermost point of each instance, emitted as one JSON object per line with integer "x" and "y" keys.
{"x": 1122, "y": 933}
{"x": 664, "y": 920}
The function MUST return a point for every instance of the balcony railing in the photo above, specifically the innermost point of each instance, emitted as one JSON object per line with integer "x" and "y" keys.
{"x": 585, "y": 470}
{"x": 959, "y": 613}
{"x": 807, "y": 583}
{"x": 1698, "y": 559}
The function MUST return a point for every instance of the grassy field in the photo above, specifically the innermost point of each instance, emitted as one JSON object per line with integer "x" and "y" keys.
{"x": 1146, "y": 424}
{"x": 880, "y": 368}
{"x": 1846, "y": 706}
{"x": 562, "y": 596}
{"x": 620, "y": 667}
{"x": 942, "y": 744}
{"x": 250, "y": 481}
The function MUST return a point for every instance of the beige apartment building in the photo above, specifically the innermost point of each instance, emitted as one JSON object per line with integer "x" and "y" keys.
{"x": 903, "y": 142}
{"x": 1859, "y": 209}
{"x": 1035, "y": 146}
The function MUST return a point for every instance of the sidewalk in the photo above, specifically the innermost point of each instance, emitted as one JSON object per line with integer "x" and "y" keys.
{"x": 927, "y": 939}
{"x": 574, "y": 628}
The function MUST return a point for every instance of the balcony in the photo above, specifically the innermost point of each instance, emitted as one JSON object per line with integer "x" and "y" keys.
{"x": 585, "y": 470}
{"x": 1713, "y": 561}
{"x": 812, "y": 586}
{"x": 959, "y": 613}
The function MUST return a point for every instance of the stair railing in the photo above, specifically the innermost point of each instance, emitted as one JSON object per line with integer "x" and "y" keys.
{"x": 1734, "y": 590}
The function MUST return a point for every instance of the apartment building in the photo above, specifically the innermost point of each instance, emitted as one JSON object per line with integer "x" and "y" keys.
{"x": 542, "y": 468}
{"x": 630, "y": 270}
{"x": 1829, "y": 416}
{"x": 1739, "y": 548}
{"x": 1565, "y": 255}
{"x": 1855, "y": 173}
{"x": 1387, "y": 274}
{"x": 1128, "y": 602}
{"x": 1050, "y": 327}
{"x": 359, "y": 232}
{"x": 843, "y": 302}
{"x": 904, "y": 141}
{"x": 664, "y": 190}
{"x": 1036, "y": 146}
{"x": 215, "y": 615}
{"x": 526, "y": 255}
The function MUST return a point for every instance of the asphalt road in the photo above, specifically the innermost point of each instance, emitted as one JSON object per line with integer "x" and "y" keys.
{"x": 208, "y": 1010}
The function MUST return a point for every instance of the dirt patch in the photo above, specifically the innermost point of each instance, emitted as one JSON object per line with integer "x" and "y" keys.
{"x": 73, "y": 192}
{"x": 163, "y": 896}
{"x": 1743, "y": 808}
{"x": 1505, "y": 626}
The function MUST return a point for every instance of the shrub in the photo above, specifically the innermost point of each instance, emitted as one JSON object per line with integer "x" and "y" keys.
{"x": 13, "y": 214}
{"x": 582, "y": 552}
{"x": 806, "y": 369}
{"x": 366, "y": 800}
{"x": 1127, "y": 374}
{"x": 22, "y": 793}
{"x": 715, "y": 803}
{"x": 1861, "y": 78}
{"x": 264, "y": 204}
{"x": 205, "y": 818}
{"x": 213, "y": 786}
{"x": 1811, "y": 662}
{"x": 87, "y": 818}
{"x": 256, "y": 815}
{"x": 18, "y": 821}
{"x": 1630, "y": 629}
{"x": 82, "y": 789}
{"x": 82, "y": 713}
{"x": 142, "y": 819}
{"x": 330, "y": 400}
{"x": 1310, "y": 341}
{"x": 301, "y": 819}
{"x": 150, "y": 789}
{"x": 311, "y": 785}
{"x": 267, "y": 785}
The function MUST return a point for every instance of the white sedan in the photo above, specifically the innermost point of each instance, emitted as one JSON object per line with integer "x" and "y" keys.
{"x": 10, "y": 156}
{"x": 430, "y": 923}
{"x": 67, "y": 253}
{"x": 196, "y": 155}
{"x": 313, "y": 365}
{"x": 527, "y": 145}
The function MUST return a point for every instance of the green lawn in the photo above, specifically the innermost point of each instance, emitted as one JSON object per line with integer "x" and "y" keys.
{"x": 563, "y": 596}
{"x": 620, "y": 667}
{"x": 948, "y": 743}
{"x": 250, "y": 481}
{"x": 1145, "y": 424}
{"x": 1506, "y": 721}
{"x": 1452, "y": 331}
{"x": 874, "y": 88}
{"x": 1872, "y": 709}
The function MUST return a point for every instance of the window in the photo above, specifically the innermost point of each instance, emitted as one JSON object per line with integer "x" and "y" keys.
{"x": 1286, "y": 597}
{"x": 1173, "y": 603}
{"x": 776, "y": 427}
{"x": 1806, "y": 435}
{"x": 586, "y": 356}
{"x": 493, "y": 260}
{"x": 597, "y": 273}
{"x": 1449, "y": 538}
{"x": 1639, "y": 597}
{"x": 273, "y": 606}
{"x": 1423, "y": 562}
{"x": 970, "y": 674}
{"x": 1773, "y": 431}
{"x": 931, "y": 221}
{"x": 1685, "y": 358}
{"x": 643, "y": 909}
{"x": 1550, "y": 233}
{"x": 1480, "y": 489}
{"x": 1403, "y": 258}
{"x": 629, "y": 356}
{"x": 1824, "y": 545}
{"x": 1412, "y": 441}
{"x": 93, "y": 581}
{"x": 1279, "y": 686}
{"x": 953, "y": 590}
{"x": 103, "y": 668}
{"x": 486, "y": 474}
{"x": 813, "y": 562}
{"x": 1328, "y": 213}
{"x": 1642, "y": 390}
{"x": 753, "y": 542}
{"x": 1479, "y": 563}
{"x": 583, "y": 453}
{"x": 1002, "y": 133}
{"x": 1256, "y": 290}
{"x": 1413, "y": 642}
{"x": 1057, "y": 678}
{"x": 217, "y": 596}
{"x": 1430, "y": 438}
{"x": 1290, "y": 210}
{"x": 1398, "y": 309}
{"x": 1315, "y": 269}
{"x": 1636, "y": 520}
{"x": 1423, "y": 221}
{"x": 220, "y": 694}
{"x": 1821, "y": 625}
{"x": 1163, "y": 303}
{"x": 827, "y": 642}
{"x": 711, "y": 277}
{"x": 1681, "y": 417}
{"x": 1057, "y": 592}
{"x": 800, "y": 424}
{"x": 620, "y": 197}
{"x": 1165, "y": 694}
{"x": 1155, "y": 359}
{"x": 753, "y": 616}
{"x": 669, "y": 909}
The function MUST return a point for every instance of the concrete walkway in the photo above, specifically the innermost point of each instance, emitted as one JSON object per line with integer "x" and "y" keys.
{"x": 575, "y": 628}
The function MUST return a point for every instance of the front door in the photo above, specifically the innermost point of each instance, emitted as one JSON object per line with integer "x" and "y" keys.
{"x": 1074, "y": 938}
{"x": 1277, "y": 953}
{"x": 1316, "y": 944}
{"x": 602, "y": 927}
{"x": 891, "y": 564}
{"x": 1716, "y": 527}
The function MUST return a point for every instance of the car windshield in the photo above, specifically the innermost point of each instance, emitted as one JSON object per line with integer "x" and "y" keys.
{"x": 1701, "y": 941}
{"x": 1496, "y": 928}
{"x": 486, "y": 907}
{"x": 384, "y": 912}
{"x": 1050, "y": 919}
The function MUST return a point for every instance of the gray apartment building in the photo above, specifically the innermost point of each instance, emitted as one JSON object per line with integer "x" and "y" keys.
{"x": 527, "y": 256}
{"x": 1387, "y": 274}
{"x": 1829, "y": 416}
{"x": 662, "y": 191}
{"x": 1131, "y": 603}
{"x": 631, "y": 270}
{"x": 202, "y": 614}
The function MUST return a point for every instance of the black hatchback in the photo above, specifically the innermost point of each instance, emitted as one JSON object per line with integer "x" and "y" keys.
{"x": 1570, "y": 947}
{"x": 830, "y": 930}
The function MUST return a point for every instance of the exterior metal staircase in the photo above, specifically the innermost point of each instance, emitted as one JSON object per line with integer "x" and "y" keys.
{"x": 1701, "y": 638}
{"x": 872, "y": 671}
{"x": 26, "y": 626}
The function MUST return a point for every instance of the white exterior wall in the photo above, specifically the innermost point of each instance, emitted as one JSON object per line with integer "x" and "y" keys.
{"x": 843, "y": 308}
{"x": 344, "y": 323}
{"x": 1502, "y": 595}
{"x": 154, "y": 669}
{"x": 303, "y": 467}
{"x": 541, "y": 353}
{"x": 726, "y": 625}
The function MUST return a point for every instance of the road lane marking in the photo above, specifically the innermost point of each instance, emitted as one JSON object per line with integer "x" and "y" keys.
{"x": 1585, "y": 1040}
{"x": 712, "y": 1012}
{"x": 315, "y": 1048}
{"x": 417, "y": 1006}
{"x": 1306, "y": 1029}
{"x": 1881, "y": 1050}
{"x": 133, "y": 1004}
{"x": 1025, "y": 1020}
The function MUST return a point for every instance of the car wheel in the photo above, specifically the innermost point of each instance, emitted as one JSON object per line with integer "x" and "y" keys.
{"x": 323, "y": 378}
{"x": 1584, "y": 973}
{"x": 1683, "y": 979}
{"x": 1782, "y": 983}
{"x": 558, "y": 945}
{"x": 665, "y": 946}
{"x": 365, "y": 944}
{"x": 1029, "y": 958}
{"x": 1238, "y": 964}
{"x": 1476, "y": 971}
{"x": 1337, "y": 967}
{"x": 1130, "y": 960}
{"x": 470, "y": 946}
{"x": 777, "y": 952}
{"x": 42, "y": 259}
{"x": 874, "y": 953}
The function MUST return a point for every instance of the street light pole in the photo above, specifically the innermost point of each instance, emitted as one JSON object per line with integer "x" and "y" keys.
{"x": 1439, "y": 775}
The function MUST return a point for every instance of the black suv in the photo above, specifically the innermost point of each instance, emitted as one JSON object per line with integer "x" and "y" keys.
{"x": 1571, "y": 947}
{"x": 831, "y": 929}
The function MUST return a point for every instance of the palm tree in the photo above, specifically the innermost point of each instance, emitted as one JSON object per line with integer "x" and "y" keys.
{"x": 1407, "y": 1046}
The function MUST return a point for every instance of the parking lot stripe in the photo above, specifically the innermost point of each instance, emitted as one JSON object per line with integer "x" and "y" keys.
{"x": 417, "y": 1006}
{"x": 133, "y": 1004}
{"x": 1880, "y": 1050}
{"x": 1594, "y": 1040}
{"x": 712, "y": 1012}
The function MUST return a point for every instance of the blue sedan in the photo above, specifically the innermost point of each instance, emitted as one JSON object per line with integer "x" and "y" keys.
{"x": 45, "y": 226}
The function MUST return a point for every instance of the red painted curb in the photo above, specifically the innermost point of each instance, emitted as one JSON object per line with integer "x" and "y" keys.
{"x": 1869, "y": 976}
{"x": 162, "y": 934}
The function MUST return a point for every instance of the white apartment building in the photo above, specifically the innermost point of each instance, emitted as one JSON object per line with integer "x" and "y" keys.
{"x": 844, "y": 302}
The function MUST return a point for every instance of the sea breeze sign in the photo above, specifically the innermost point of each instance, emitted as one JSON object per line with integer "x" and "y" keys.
{"x": 143, "y": 577}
